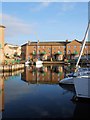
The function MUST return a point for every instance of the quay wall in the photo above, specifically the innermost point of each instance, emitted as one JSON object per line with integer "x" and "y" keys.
{"x": 10, "y": 68}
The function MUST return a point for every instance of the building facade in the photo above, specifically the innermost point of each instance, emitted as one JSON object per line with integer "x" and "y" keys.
{"x": 43, "y": 50}
{"x": 53, "y": 50}
{"x": 2, "y": 43}
{"x": 11, "y": 50}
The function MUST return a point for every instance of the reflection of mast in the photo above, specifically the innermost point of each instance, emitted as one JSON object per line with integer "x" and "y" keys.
{"x": 51, "y": 73}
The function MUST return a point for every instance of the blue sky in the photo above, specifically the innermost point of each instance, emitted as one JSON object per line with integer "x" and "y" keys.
{"x": 46, "y": 21}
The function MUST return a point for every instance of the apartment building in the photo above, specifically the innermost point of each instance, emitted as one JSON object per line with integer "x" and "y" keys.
{"x": 11, "y": 50}
{"x": 43, "y": 50}
{"x": 55, "y": 50}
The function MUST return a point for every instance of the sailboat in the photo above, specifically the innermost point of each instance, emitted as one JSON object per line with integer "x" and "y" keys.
{"x": 79, "y": 72}
{"x": 38, "y": 62}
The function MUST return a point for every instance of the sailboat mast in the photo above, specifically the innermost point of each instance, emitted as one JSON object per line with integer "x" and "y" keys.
{"x": 37, "y": 49}
{"x": 84, "y": 41}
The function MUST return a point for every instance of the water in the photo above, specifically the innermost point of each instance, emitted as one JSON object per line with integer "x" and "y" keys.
{"x": 36, "y": 93}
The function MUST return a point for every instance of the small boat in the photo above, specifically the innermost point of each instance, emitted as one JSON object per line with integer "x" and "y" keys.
{"x": 27, "y": 63}
{"x": 39, "y": 62}
{"x": 39, "y": 65}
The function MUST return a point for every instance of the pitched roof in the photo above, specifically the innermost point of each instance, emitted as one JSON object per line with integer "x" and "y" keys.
{"x": 2, "y": 26}
{"x": 46, "y": 43}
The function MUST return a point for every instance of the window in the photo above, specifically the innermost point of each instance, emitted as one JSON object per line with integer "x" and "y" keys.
{"x": 68, "y": 46}
{"x": 86, "y": 46}
{"x": 49, "y": 48}
{"x": 0, "y": 46}
{"x": 75, "y": 46}
{"x": 68, "y": 51}
{"x": 80, "y": 46}
{"x": 54, "y": 48}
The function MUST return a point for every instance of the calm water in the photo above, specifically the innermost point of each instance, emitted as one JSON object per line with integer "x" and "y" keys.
{"x": 36, "y": 93}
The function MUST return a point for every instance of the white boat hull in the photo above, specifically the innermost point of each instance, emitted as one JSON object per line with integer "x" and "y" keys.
{"x": 27, "y": 63}
{"x": 39, "y": 66}
{"x": 82, "y": 87}
{"x": 39, "y": 62}
{"x": 69, "y": 80}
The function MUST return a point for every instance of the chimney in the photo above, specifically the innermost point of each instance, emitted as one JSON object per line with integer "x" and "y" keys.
{"x": 29, "y": 42}
{"x": 67, "y": 40}
{"x": 2, "y": 43}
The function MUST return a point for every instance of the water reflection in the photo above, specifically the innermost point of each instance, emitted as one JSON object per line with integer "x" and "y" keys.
{"x": 46, "y": 74}
{"x": 47, "y": 99}
{"x": 5, "y": 76}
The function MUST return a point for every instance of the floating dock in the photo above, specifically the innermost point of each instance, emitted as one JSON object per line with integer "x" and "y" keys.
{"x": 55, "y": 62}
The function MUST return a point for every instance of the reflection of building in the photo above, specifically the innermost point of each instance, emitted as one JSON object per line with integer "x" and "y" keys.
{"x": 46, "y": 74}
{"x": 1, "y": 93}
{"x": 5, "y": 76}
{"x": 54, "y": 50}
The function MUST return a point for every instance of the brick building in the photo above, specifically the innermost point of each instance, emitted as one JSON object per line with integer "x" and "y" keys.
{"x": 55, "y": 50}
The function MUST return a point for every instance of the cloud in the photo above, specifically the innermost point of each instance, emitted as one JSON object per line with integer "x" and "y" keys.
{"x": 45, "y": 4}
{"x": 67, "y": 6}
{"x": 15, "y": 26}
{"x": 40, "y": 6}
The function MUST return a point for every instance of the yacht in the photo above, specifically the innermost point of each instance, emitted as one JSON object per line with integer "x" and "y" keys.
{"x": 81, "y": 77}
{"x": 82, "y": 84}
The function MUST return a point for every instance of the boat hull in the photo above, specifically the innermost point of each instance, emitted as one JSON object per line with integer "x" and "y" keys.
{"x": 39, "y": 62}
{"x": 82, "y": 87}
{"x": 68, "y": 81}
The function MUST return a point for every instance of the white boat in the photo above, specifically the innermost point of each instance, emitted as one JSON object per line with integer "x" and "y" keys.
{"x": 39, "y": 65}
{"x": 39, "y": 62}
{"x": 27, "y": 63}
{"x": 82, "y": 86}
{"x": 82, "y": 79}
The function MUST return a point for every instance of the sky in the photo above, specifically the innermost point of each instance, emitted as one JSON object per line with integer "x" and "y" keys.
{"x": 44, "y": 21}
